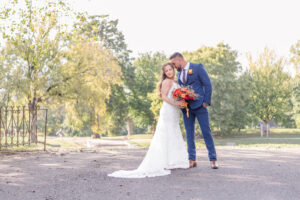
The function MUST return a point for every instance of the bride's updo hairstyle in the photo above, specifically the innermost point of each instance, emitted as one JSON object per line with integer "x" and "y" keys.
{"x": 163, "y": 75}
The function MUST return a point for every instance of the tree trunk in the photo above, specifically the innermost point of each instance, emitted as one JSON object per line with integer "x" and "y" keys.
{"x": 32, "y": 106}
{"x": 261, "y": 129}
{"x": 153, "y": 129}
{"x": 129, "y": 127}
{"x": 268, "y": 129}
{"x": 33, "y": 126}
{"x": 98, "y": 125}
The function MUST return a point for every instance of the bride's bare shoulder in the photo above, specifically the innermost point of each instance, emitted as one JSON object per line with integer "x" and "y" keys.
{"x": 167, "y": 82}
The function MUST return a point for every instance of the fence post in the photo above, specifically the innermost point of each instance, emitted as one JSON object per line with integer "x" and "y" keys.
{"x": 18, "y": 127}
{"x": 5, "y": 128}
{"x": 45, "y": 129}
{"x": 23, "y": 123}
{"x": 36, "y": 125}
{"x": 29, "y": 126}
{"x": 0, "y": 128}
{"x": 12, "y": 127}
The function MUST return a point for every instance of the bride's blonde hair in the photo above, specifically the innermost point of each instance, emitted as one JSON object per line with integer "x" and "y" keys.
{"x": 163, "y": 75}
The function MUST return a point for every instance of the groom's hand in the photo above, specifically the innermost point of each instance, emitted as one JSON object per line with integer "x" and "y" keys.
{"x": 205, "y": 105}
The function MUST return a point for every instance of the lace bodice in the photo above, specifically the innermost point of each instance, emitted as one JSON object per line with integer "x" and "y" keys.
{"x": 174, "y": 86}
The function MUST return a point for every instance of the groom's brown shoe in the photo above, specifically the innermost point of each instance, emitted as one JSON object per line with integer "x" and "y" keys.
{"x": 213, "y": 165}
{"x": 193, "y": 163}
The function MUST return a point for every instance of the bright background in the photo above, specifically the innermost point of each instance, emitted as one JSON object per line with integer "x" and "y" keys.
{"x": 173, "y": 25}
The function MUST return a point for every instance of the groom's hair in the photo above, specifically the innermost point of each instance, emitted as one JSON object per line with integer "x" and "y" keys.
{"x": 175, "y": 55}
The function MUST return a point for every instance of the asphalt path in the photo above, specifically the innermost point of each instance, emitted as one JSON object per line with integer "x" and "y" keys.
{"x": 78, "y": 175}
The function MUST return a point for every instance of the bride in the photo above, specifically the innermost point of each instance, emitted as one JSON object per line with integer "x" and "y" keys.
{"x": 167, "y": 149}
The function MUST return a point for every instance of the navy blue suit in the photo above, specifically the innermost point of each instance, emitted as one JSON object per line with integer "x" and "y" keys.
{"x": 198, "y": 79}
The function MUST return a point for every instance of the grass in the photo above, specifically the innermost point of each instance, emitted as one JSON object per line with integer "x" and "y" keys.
{"x": 52, "y": 142}
{"x": 21, "y": 148}
{"x": 279, "y": 138}
{"x": 141, "y": 136}
{"x": 242, "y": 143}
{"x": 61, "y": 142}
{"x": 13, "y": 147}
{"x": 274, "y": 132}
{"x": 256, "y": 142}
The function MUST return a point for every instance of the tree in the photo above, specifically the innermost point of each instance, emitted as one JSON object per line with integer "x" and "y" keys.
{"x": 90, "y": 71}
{"x": 33, "y": 43}
{"x": 101, "y": 28}
{"x": 50, "y": 63}
{"x": 295, "y": 60}
{"x": 242, "y": 99}
{"x": 148, "y": 70}
{"x": 230, "y": 93}
{"x": 117, "y": 107}
{"x": 271, "y": 88}
{"x": 296, "y": 99}
{"x": 5, "y": 79}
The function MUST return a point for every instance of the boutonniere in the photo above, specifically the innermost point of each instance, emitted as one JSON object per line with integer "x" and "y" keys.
{"x": 190, "y": 71}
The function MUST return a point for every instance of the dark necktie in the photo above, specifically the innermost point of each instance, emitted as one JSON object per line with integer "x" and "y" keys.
{"x": 184, "y": 78}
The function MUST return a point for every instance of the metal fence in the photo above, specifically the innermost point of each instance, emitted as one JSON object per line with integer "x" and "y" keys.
{"x": 21, "y": 126}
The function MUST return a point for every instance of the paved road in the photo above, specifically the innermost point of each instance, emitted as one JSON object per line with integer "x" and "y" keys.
{"x": 243, "y": 174}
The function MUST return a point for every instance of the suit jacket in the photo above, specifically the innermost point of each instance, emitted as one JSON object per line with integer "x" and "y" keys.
{"x": 198, "y": 79}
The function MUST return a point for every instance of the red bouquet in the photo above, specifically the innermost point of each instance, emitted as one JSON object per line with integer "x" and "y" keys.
{"x": 185, "y": 93}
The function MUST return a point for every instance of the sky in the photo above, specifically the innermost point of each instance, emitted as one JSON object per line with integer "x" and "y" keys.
{"x": 176, "y": 25}
{"x": 247, "y": 26}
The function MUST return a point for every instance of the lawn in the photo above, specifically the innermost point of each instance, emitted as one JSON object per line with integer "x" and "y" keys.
{"x": 52, "y": 142}
{"x": 279, "y": 138}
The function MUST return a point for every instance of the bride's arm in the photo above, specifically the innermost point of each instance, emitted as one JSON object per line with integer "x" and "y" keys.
{"x": 166, "y": 86}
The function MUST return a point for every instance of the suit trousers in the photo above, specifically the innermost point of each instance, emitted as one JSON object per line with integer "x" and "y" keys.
{"x": 202, "y": 116}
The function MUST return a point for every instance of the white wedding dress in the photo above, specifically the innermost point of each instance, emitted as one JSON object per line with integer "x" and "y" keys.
{"x": 167, "y": 149}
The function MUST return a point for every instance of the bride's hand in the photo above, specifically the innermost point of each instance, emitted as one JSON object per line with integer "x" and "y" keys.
{"x": 179, "y": 103}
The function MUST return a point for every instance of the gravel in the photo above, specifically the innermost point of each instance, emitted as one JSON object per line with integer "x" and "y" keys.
{"x": 243, "y": 174}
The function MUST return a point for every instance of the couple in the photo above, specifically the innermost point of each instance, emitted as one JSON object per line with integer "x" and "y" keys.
{"x": 167, "y": 149}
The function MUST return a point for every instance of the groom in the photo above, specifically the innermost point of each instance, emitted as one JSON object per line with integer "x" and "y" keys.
{"x": 195, "y": 75}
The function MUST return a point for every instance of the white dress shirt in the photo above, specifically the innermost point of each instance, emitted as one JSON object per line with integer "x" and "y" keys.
{"x": 187, "y": 66}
